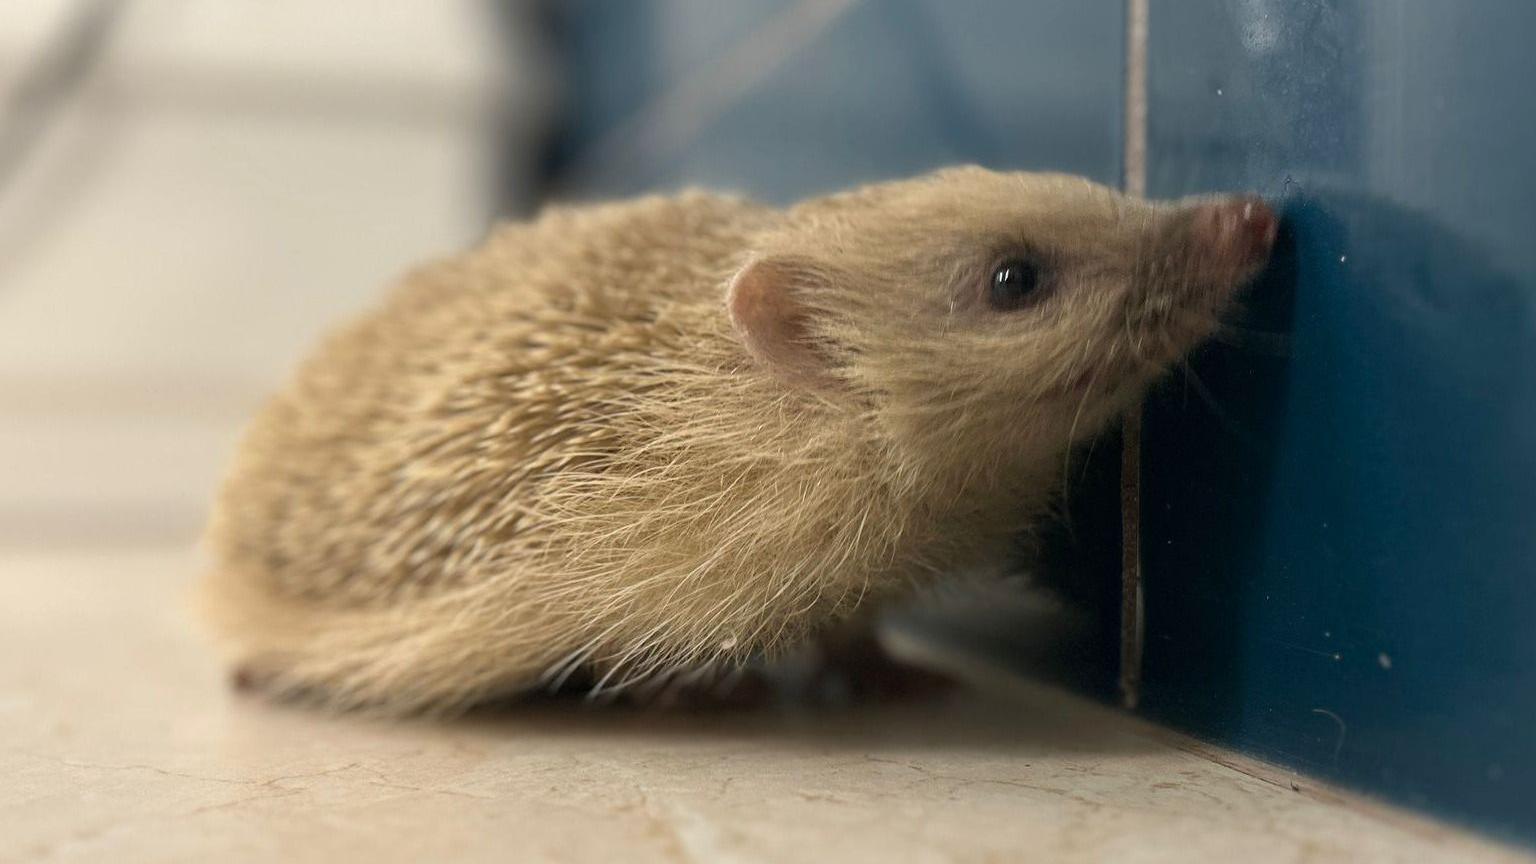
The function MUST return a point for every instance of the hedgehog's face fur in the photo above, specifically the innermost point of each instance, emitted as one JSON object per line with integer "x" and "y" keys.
{"x": 983, "y": 316}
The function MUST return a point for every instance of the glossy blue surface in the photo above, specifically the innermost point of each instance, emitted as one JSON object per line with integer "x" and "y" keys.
{"x": 1340, "y": 524}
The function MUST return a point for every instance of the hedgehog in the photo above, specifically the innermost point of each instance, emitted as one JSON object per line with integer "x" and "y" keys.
{"x": 635, "y": 440}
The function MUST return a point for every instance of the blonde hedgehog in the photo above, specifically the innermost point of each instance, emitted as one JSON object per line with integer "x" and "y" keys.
{"x": 681, "y": 433}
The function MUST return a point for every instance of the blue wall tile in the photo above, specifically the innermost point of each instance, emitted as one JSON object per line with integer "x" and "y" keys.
{"x": 1340, "y": 523}
{"x": 887, "y": 88}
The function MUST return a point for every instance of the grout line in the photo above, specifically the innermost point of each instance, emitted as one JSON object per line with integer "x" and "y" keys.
{"x": 174, "y": 87}
{"x": 104, "y": 395}
{"x": 1135, "y": 132}
{"x": 1132, "y": 613}
{"x": 29, "y": 526}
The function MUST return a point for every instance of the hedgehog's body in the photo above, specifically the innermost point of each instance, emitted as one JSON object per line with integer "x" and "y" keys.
{"x": 564, "y": 451}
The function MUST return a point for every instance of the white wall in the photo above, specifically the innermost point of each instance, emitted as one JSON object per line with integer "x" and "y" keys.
{"x": 235, "y": 176}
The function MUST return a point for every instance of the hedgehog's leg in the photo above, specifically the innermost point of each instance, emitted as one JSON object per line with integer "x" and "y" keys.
{"x": 848, "y": 664}
{"x": 843, "y": 665}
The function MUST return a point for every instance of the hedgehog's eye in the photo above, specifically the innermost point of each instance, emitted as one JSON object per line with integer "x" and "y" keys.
{"x": 1013, "y": 282}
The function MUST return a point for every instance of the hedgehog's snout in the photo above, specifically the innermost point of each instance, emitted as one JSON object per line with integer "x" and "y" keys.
{"x": 1204, "y": 251}
{"x": 1238, "y": 232}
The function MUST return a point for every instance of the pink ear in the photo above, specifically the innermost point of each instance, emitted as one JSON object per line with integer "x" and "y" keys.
{"x": 772, "y": 324}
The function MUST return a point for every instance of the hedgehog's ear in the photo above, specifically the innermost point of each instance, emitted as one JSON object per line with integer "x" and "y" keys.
{"x": 766, "y": 309}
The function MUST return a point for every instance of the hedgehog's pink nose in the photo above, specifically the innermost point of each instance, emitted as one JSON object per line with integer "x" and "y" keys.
{"x": 1241, "y": 230}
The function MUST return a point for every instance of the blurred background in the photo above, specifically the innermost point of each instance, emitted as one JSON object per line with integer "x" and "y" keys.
{"x": 191, "y": 193}
{"x": 1337, "y": 540}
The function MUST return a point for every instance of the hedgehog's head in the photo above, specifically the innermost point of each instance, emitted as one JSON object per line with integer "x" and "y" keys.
{"x": 979, "y": 314}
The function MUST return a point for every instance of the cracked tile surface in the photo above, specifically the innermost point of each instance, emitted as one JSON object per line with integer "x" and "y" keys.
{"x": 118, "y": 741}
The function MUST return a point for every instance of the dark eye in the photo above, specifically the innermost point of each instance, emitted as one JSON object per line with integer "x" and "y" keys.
{"x": 1013, "y": 282}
